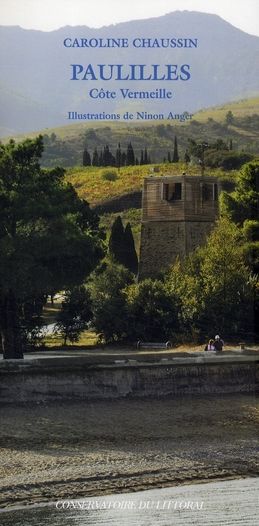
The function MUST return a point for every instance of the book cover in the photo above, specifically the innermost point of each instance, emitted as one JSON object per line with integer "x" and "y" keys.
{"x": 129, "y": 179}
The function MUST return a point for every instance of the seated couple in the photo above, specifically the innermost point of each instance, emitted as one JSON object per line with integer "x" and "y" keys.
{"x": 215, "y": 345}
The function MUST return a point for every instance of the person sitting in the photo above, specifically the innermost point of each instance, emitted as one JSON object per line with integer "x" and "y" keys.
{"x": 210, "y": 346}
{"x": 218, "y": 343}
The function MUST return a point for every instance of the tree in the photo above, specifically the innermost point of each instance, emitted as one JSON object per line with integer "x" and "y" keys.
{"x": 227, "y": 291}
{"x": 242, "y": 206}
{"x": 75, "y": 313}
{"x": 197, "y": 151}
{"x": 116, "y": 241}
{"x": 243, "y": 203}
{"x": 184, "y": 283}
{"x": 95, "y": 159}
{"x": 214, "y": 286}
{"x": 118, "y": 156}
{"x": 229, "y": 118}
{"x": 228, "y": 160}
{"x": 131, "y": 258}
{"x": 49, "y": 238}
{"x": 100, "y": 160}
{"x": 175, "y": 154}
{"x": 130, "y": 159}
{"x": 86, "y": 158}
{"x": 123, "y": 159}
{"x": 107, "y": 289}
{"x": 108, "y": 159}
{"x": 122, "y": 246}
{"x": 219, "y": 145}
{"x": 152, "y": 311}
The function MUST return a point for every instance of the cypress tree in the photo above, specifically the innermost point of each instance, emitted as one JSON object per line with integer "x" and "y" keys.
{"x": 169, "y": 157}
{"x": 86, "y": 158}
{"x": 106, "y": 156}
{"x": 122, "y": 246}
{"x": 130, "y": 159}
{"x": 112, "y": 160}
{"x": 145, "y": 161}
{"x": 95, "y": 160}
{"x": 142, "y": 157}
{"x": 116, "y": 241}
{"x": 175, "y": 154}
{"x": 123, "y": 159}
{"x": 131, "y": 258}
{"x": 101, "y": 162}
{"x": 118, "y": 156}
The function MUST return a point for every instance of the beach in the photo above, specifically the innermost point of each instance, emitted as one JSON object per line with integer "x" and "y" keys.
{"x": 56, "y": 451}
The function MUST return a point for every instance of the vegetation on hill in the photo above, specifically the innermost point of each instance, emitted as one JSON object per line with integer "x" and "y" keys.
{"x": 65, "y": 146}
{"x": 92, "y": 186}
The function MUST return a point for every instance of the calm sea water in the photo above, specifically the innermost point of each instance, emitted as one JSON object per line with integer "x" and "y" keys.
{"x": 214, "y": 504}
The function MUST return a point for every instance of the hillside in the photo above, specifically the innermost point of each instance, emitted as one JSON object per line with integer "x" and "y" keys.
{"x": 65, "y": 145}
{"x": 91, "y": 183}
{"x": 37, "y": 76}
{"x": 240, "y": 108}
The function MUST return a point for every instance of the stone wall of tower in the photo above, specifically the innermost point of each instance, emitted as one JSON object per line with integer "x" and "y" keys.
{"x": 163, "y": 241}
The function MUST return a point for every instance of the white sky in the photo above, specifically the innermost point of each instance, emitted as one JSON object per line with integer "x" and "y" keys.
{"x": 52, "y": 14}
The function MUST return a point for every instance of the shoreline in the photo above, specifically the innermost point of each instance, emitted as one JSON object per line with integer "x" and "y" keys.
{"x": 9, "y": 506}
{"x": 78, "y": 450}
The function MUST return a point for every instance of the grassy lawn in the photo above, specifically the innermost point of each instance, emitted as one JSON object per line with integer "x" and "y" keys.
{"x": 50, "y": 311}
{"x": 87, "y": 339}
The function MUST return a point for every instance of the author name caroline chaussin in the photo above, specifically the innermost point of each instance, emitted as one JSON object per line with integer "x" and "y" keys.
{"x": 135, "y": 42}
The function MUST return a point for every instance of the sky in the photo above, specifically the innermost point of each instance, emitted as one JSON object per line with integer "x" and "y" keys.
{"x": 48, "y": 15}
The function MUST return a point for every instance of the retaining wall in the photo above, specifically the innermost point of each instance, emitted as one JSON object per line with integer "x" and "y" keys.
{"x": 51, "y": 380}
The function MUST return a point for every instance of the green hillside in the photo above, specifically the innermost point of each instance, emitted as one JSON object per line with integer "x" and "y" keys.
{"x": 65, "y": 145}
{"x": 240, "y": 108}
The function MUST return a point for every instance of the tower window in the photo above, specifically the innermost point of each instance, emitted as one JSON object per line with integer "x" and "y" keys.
{"x": 207, "y": 192}
{"x": 172, "y": 191}
{"x": 176, "y": 192}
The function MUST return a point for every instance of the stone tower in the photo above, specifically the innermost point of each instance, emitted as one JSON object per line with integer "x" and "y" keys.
{"x": 178, "y": 212}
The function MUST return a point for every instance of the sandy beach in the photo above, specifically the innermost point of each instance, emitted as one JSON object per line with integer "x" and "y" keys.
{"x": 50, "y": 452}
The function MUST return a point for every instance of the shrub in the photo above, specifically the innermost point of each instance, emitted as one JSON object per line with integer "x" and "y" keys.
{"x": 109, "y": 175}
{"x": 110, "y": 317}
{"x": 153, "y": 312}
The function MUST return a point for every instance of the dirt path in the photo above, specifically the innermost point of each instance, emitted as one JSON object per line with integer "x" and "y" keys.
{"x": 83, "y": 449}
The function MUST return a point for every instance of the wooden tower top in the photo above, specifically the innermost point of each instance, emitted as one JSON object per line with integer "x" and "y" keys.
{"x": 180, "y": 198}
